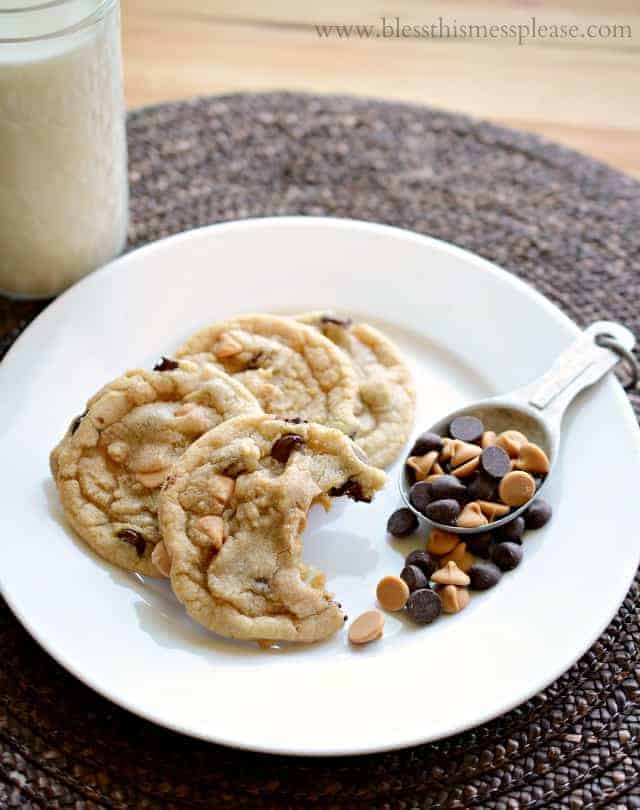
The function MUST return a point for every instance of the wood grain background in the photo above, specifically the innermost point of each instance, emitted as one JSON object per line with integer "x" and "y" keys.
{"x": 584, "y": 92}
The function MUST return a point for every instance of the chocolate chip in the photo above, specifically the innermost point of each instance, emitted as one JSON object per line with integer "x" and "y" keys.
{"x": 444, "y": 511}
{"x": 134, "y": 539}
{"x": 481, "y": 488}
{"x": 336, "y": 320}
{"x": 352, "y": 489}
{"x": 484, "y": 575}
{"x": 402, "y": 522}
{"x": 447, "y": 486}
{"x": 419, "y": 496}
{"x": 422, "y": 560}
{"x": 425, "y": 443}
{"x": 466, "y": 428}
{"x": 285, "y": 445}
{"x": 166, "y": 364}
{"x": 538, "y": 514}
{"x": 75, "y": 422}
{"x": 479, "y": 544}
{"x": 414, "y": 577}
{"x": 507, "y": 555}
{"x": 424, "y": 606}
{"x": 495, "y": 461}
{"x": 511, "y": 532}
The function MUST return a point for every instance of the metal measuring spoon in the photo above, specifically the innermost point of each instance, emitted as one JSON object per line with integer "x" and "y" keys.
{"x": 537, "y": 409}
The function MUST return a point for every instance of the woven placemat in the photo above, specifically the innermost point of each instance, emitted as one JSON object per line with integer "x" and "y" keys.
{"x": 568, "y": 225}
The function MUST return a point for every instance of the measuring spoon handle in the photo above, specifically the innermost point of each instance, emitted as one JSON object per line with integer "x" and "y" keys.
{"x": 587, "y": 360}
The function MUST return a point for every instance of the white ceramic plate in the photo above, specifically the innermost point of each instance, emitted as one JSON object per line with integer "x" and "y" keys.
{"x": 468, "y": 330}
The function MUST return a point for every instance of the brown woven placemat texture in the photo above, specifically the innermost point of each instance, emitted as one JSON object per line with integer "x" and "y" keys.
{"x": 565, "y": 223}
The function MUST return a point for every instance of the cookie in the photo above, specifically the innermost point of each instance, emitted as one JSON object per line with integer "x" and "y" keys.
{"x": 114, "y": 458}
{"x": 386, "y": 395}
{"x": 292, "y": 369}
{"x": 232, "y": 512}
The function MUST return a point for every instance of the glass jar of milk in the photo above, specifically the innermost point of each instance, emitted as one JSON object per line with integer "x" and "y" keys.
{"x": 63, "y": 164}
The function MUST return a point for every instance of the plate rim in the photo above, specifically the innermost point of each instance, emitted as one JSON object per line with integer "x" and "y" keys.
{"x": 486, "y": 265}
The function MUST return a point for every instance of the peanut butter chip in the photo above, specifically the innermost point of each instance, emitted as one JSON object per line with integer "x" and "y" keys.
{"x": 511, "y": 441}
{"x": 463, "y": 452}
{"x": 454, "y": 599}
{"x": 194, "y": 421}
{"x": 151, "y": 480}
{"x": 532, "y": 459}
{"x": 441, "y": 542}
{"x": 516, "y": 488}
{"x": 448, "y": 446}
{"x": 109, "y": 408}
{"x": 488, "y": 438}
{"x": 392, "y": 593}
{"x": 493, "y": 511}
{"x": 160, "y": 558}
{"x": 222, "y": 488}
{"x": 367, "y": 627}
{"x": 184, "y": 409}
{"x": 467, "y": 469}
{"x": 471, "y": 516}
{"x": 227, "y": 346}
{"x": 461, "y": 557}
{"x": 422, "y": 464}
{"x": 450, "y": 575}
{"x": 118, "y": 451}
{"x": 213, "y": 526}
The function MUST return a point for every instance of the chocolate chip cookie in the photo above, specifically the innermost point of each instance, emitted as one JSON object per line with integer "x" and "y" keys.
{"x": 291, "y": 368}
{"x": 111, "y": 464}
{"x": 232, "y": 512}
{"x": 386, "y": 395}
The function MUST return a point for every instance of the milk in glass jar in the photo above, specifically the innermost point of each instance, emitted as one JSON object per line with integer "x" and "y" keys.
{"x": 63, "y": 168}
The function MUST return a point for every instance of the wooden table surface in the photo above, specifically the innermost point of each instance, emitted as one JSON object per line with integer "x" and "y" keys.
{"x": 582, "y": 91}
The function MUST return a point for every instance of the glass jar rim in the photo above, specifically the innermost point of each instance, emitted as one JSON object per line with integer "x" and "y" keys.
{"x": 102, "y": 7}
